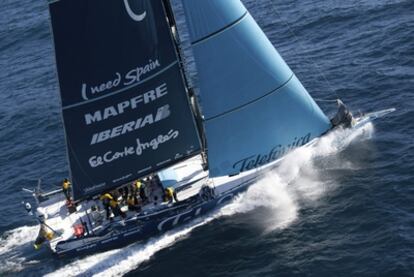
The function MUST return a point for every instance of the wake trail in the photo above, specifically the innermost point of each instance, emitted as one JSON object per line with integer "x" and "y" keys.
{"x": 18, "y": 237}
{"x": 12, "y": 245}
{"x": 120, "y": 261}
{"x": 281, "y": 191}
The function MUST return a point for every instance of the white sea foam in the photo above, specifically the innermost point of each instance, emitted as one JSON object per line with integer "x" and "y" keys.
{"x": 12, "y": 239}
{"x": 296, "y": 180}
{"x": 281, "y": 191}
{"x": 121, "y": 261}
{"x": 13, "y": 265}
{"x": 11, "y": 248}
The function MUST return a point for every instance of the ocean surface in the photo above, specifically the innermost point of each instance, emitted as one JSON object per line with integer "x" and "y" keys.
{"x": 343, "y": 208}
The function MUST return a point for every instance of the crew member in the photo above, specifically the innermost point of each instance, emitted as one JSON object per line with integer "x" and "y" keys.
{"x": 124, "y": 191}
{"x": 110, "y": 203}
{"x": 97, "y": 217}
{"x": 66, "y": 188}
{"x": 44, "y": 233}
{"x": 140, "y": 189}
{"x": 133, "y": 203}
{"x": 170, "y": 194}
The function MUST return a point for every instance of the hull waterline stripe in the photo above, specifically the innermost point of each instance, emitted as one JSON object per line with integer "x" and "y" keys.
{"x": 122, "y": 89}
{"x": 220, "y": 31}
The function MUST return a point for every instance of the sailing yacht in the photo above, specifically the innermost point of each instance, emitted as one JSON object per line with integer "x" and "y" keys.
{"x": 129, "y": 114}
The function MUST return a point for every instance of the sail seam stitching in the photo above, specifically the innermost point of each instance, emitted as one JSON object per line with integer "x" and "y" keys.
{"x": 122, "y": 89}
{"x": 220, "y": 30}
{"x": 253, "y": 101}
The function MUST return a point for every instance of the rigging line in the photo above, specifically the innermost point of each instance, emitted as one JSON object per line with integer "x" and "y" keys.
{"x": 325, "y": 100}
{"x": 309, "y": 60}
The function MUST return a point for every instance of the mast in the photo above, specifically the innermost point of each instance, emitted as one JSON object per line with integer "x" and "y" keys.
{"x": 190, "y": 90}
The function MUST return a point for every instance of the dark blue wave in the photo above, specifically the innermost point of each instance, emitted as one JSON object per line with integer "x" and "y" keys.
{"x": 361, "y": 51}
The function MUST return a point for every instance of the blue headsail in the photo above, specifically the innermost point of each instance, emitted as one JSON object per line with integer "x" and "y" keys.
{"x": 254, "y": 107}
{"x": 125, "y": 106}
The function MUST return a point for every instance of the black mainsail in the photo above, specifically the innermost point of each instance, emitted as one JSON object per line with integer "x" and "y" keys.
{"x": 125, "y": 106}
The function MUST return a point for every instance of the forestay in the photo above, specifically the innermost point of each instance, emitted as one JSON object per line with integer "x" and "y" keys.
{"x": 254, "y": 107}
{"x": 125, "y": 106}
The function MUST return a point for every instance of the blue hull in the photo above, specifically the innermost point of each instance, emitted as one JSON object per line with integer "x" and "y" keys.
{"x": 145, "y": 226}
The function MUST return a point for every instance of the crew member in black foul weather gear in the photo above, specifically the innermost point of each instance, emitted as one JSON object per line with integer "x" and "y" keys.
{"x": 139, "y": 188}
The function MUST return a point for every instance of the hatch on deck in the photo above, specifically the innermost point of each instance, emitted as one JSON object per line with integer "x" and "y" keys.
{"x": 183, "y": 173}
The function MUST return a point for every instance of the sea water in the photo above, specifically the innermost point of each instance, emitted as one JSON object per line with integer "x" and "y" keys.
{"x": 343, "y": 207}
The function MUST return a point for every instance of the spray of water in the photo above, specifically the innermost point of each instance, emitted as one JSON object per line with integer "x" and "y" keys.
{"x": 18, "y": 237}
{"x": 280, "y": 191}
{"x": 296, "y": 180}
{"x": 12, "y": 244}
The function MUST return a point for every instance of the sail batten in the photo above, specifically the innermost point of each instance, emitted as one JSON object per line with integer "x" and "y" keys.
{"x": 253, "y": 101}
{"x": 208, "y": 16}
{"x": 124, "y": 103}
{"x": 230, "y": 25}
